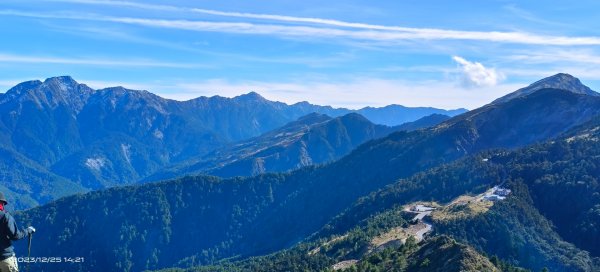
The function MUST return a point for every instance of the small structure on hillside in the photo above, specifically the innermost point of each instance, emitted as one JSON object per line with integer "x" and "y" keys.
{"x": 421, "y": 208}
{"x": 501, "y": 191}
{"x": 497, "y": 193}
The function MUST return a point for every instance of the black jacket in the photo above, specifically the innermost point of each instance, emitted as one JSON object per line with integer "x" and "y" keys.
{"x": 8, "y": 233}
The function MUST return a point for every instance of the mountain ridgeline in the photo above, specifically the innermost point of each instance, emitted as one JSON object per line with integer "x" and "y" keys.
{"x": 541, "y": 144}
{"x": 559, "y": 81}
{"x": 61, "y": 137}
{"x": 312, "y": 139}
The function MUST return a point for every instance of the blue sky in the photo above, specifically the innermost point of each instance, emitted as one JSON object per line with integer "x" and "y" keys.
{"x": 446, "y": 54}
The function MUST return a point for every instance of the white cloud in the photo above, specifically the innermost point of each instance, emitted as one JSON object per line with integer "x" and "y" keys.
{"x": 335, "y": 29}
{"x": 474, "y": 74}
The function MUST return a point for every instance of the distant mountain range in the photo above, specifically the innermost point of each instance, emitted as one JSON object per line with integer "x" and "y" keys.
{"x": 540, "y": 143}
{"x": 394, "y": 115}
{"x": 61, "y": 137}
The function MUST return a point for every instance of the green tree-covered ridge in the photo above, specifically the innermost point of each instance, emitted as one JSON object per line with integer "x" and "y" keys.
{"x": 206, "y": 219}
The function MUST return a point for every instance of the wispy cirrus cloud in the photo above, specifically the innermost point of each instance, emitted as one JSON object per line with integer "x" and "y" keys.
{"x": 115, "y": 33}
{"x": 583, "y": 73}
{"x": 317, "y": 28}
{"x": 11, "y": 58}
{"x": 531, "y": 17}
{"x": 584, "y": 56}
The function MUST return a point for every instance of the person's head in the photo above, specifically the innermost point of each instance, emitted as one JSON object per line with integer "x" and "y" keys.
{"x": 3, "y": 199}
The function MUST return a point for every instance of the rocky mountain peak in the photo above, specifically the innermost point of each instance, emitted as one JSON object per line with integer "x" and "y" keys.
{"x": 61, "y": 82}
{"x": 560, "y": 81}
{"x": 249, "y": 97}
{"x": 20, "y": 88}
{"x": 50, "y": 93}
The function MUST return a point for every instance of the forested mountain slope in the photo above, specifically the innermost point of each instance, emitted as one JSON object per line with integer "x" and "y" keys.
{"x": 206, "y": 219}
{"x": 312, "y": 139}
{"x": 95, "y": 139}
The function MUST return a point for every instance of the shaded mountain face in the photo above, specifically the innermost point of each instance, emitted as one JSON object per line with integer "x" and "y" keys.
{"x": 312, "y": 139}
{"x": 425, "y": 122}
{"x": 31, "y": 183}
{"x": 526, "y": 119}
{"x": 375, "y": 164}
{"x": 101, "y": 138}
{"x": 245, "y": 214}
